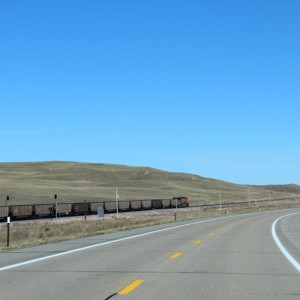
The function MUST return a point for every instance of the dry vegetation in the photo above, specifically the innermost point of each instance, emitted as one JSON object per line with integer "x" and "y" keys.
{"x": 37, "y": 232}
{"x": 29, "y": 183}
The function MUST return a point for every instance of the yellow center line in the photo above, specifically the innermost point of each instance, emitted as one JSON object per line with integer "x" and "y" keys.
{"x": 221, "y": 229}
{"x": 211, "y": 234}
{"x": 131, "y": 287}
{"x": 197, "y": 242}
{"x": 175, "y": 255}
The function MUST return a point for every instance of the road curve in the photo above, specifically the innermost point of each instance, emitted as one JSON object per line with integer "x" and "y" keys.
{"x": 236, "y": 257}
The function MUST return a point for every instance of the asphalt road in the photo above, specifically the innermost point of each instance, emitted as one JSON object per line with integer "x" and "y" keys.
{"x": 220, "y": 258}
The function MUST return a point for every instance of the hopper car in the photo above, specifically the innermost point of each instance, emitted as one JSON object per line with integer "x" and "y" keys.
{"x": 63, "y": 209}
{"x": 146, "y": 204}
{"x": 95, "y": 205}
{"x": 80, "y": 208}
{"x": 110, "y": 206}
{"x": 136, "y": 204}
{"x": 20, "y": 211}
{"x": 42, "y": 210}
{"x": 157, "y": 204}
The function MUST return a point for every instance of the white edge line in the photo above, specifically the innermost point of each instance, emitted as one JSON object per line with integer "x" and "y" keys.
{"x": 281, "y": 247}
{"x": 105, "y": 243}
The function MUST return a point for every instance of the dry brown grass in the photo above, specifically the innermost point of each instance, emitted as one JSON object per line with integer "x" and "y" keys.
{"x": 38, "y": 232}
{"x": 27, "y": 234}
{"x": 29, "y": 183}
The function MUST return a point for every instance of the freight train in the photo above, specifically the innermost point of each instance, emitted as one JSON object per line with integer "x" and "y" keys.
{"x": 28, "y": 211}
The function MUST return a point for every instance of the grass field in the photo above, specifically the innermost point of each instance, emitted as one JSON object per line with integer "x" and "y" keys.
{"x": 29, "y": 183}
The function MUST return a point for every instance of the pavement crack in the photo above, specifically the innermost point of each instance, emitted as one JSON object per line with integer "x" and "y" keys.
{"x": 109, "y": 297}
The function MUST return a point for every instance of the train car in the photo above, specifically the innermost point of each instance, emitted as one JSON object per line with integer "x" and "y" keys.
{"x": 124, "y": 205}
{"x": 110, "y": 206}
{"x": 3, "y": 212}
{"x": 94, "y": 207}
{"x": 146, "y": 204}
{"x": 80, "y": 208}
{"x": 20, "y": 211}
{"x": 166, "y": 203}
{"x": 136, "y": 204}
{"x": 156, "y": 203}
{"x": 174, "y": 202}
{"x": 42, "y": 210}
{"x": 63, "y": 209}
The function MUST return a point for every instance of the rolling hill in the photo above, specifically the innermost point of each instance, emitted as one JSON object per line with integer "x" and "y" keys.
{"x": 73, "y": 182}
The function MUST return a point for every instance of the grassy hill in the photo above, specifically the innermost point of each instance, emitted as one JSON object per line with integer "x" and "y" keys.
{"x": 72, "y": 181}
{"x": 283, "y": 188}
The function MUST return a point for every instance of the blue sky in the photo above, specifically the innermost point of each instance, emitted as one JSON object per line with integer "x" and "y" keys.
{"x": 204, "y": 87}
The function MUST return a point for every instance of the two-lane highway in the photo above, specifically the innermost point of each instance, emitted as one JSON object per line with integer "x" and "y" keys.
{"x": 233, "y": 257}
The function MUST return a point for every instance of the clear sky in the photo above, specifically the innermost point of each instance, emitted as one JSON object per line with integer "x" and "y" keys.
{"x": 208, "y": 87}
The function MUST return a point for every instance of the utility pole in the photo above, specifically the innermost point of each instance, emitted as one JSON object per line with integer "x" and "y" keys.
{"x": 56, "y": 206}
{"x": 176, "y": 210}
{"x": 249, "y": 197}
{"x": 176, "y": 205}
{"x": 117, "y": 205}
